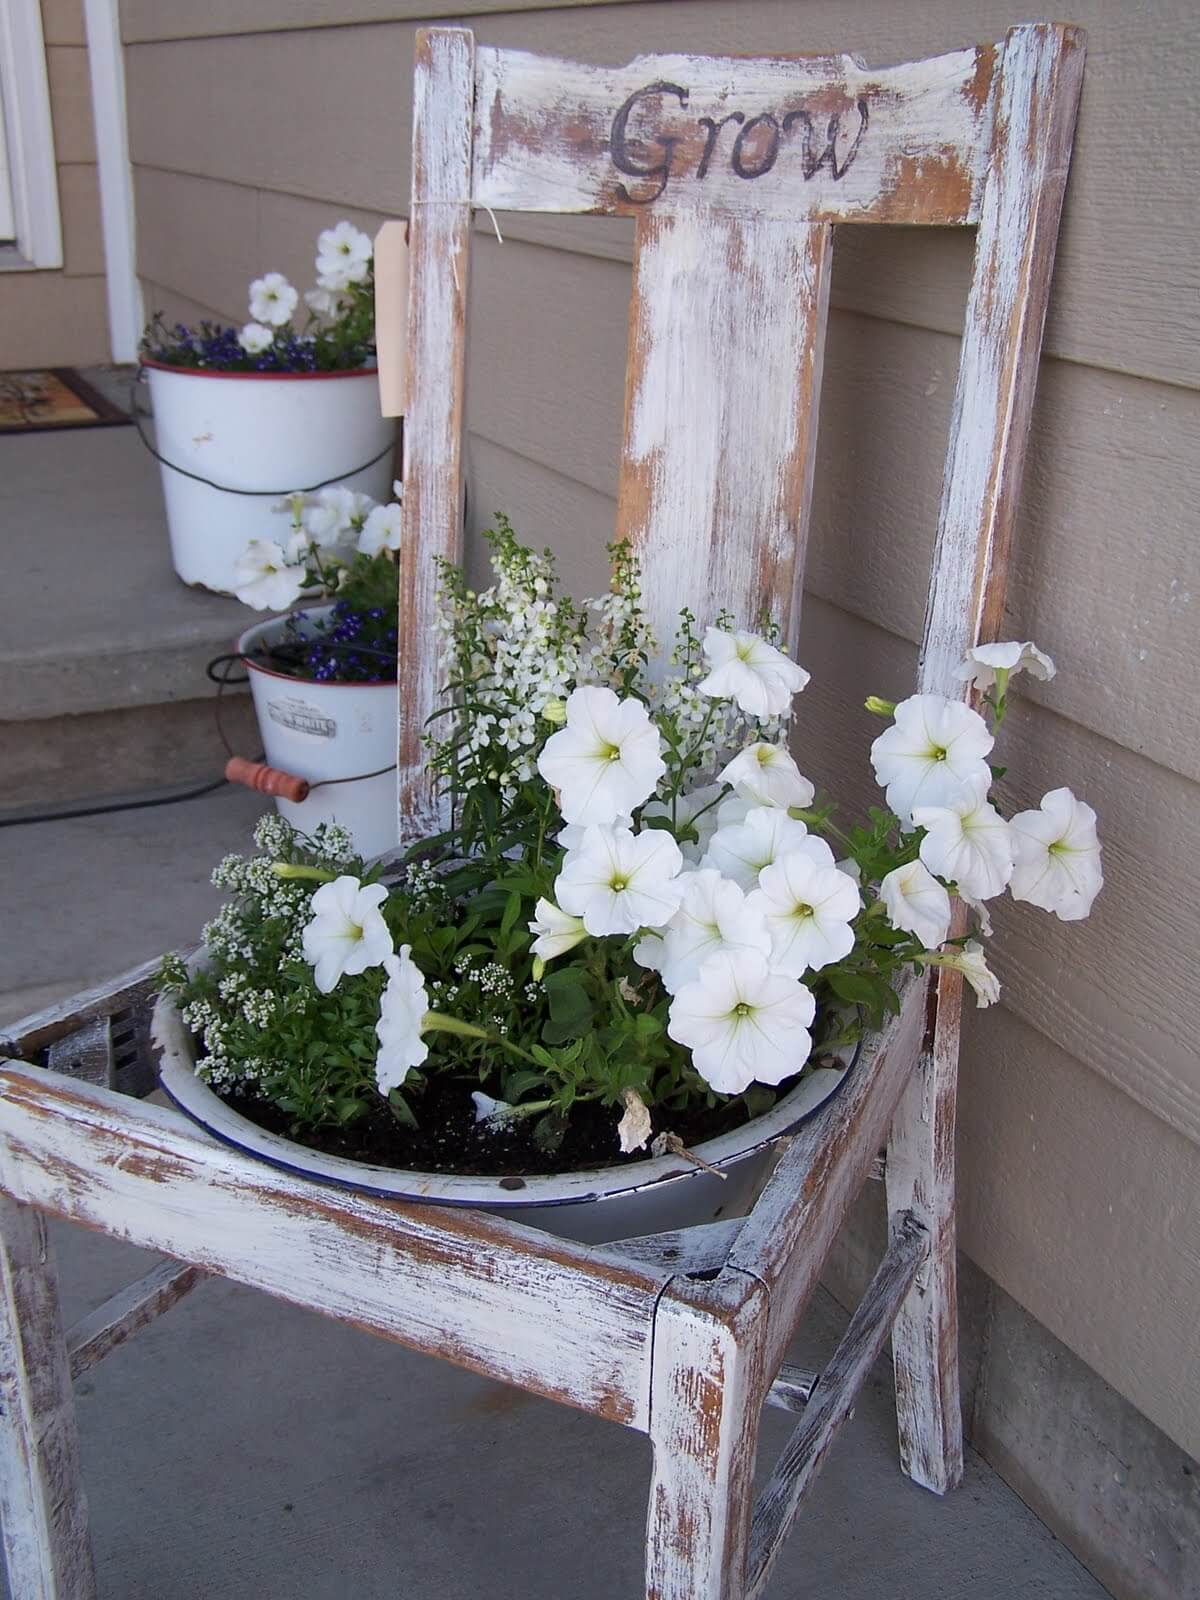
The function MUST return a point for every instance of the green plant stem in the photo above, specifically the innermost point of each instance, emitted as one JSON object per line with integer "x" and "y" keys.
{"x": 293, "y": 870}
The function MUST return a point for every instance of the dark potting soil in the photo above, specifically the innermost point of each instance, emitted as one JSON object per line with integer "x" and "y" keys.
{"x": 448, "y": 1139}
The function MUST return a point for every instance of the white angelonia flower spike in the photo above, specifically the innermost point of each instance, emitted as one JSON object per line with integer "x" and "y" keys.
{"x": 696, "y": 809}
{"x": 972, "y": 963}
{"x": 254, "y": 338}
{"x": 808, "y": 907}
{"x": 264, "y": 578}
{"x": 741, "y": 850}
{"x": 618, "y": 881}
{"x": 1057, "y": 856}
{"x": 986, "y": 660}
{"x": 272, "y": 299}
{"x": 766, "y": 775}
{"x": 402, "y": 1008}
{"x": 347, "y": 932}
{"x": 917, "y": 903}
{"x": 343, "y": 256}
{"x": 557, "y": 931}
{"x": 606, "y": 760}
{"x": 746, "y": 669}
{"x": 714, "y": 916}
{"x": 968, "y": 842}
{"x": 381, "y": 530}
{"x": 933, "y": 750}
{"x": 742, "y": 1022}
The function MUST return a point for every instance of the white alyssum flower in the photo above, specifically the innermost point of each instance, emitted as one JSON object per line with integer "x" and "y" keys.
{"x": 343, "y": 256}
{"x": 619, "y": 881}
{"x": 347, "y": 932}
{"x": 634, "y": 1128}
{"x": 766, "y": 775}
{"x": 972, "y": 963}
{"x": 402, "y": 1008}
{"x": 254, "y": 338}
{"x": 933, "y": 750}
{"x": 986, "y": 660}
{"x": 381, "y": 530}
{"x": 606, "y": 760}
{"x": 742, "y": 1022}
{"x": 272, "y": 299}
{"x": 1057, "y": 856}
{"x": 917, "y": 903}
{"x": 807, "y": 907}
{"x": 743, "y": 667}
{"x": 557, "y": 931}
{"x": 714, "y": 916}
{"x": 264, "y": 578}
{"x": 741, "y": 850}
{"x": 968, "y": 842}
{"x": 696, "y": 810}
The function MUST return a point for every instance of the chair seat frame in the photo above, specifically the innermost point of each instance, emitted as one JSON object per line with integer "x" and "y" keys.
{"x": 681, "y": 1336}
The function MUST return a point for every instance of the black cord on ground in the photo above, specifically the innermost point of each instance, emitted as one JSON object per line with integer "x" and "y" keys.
{"x": 115, "y": 805}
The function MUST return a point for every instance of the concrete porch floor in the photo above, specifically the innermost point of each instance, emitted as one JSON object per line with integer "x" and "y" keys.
{"x": 240, "y": 1448}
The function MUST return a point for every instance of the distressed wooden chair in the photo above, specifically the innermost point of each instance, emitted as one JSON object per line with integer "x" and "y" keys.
{"x": 736, "y": 171}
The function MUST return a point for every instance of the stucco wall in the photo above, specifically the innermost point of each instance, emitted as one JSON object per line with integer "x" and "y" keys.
{"x": 60, "y": 318}
{"x": 1080, "y": 1109}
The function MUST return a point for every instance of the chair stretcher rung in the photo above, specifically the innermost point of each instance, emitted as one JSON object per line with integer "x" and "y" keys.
{"x": 834, "y": 1401}
{"x": 133, "y": 1308}
{"x": 792, "y": 1389}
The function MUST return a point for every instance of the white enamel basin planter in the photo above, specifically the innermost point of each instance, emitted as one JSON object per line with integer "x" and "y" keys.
{"x": 595, "y": 1207}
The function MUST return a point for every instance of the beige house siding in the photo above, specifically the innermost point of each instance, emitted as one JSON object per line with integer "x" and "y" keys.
{"x": 60, "y": 318}
{"x": 1080, "y": 1135}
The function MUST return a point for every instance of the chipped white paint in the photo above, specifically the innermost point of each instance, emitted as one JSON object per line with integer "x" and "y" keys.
{"x": 727, "y": 336}
{"x": 733, "y": 134}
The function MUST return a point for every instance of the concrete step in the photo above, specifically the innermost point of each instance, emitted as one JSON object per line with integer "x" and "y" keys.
{"x": 103, "y": 649}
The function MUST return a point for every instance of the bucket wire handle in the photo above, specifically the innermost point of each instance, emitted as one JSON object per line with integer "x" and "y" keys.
{"x": 140, "y": 417}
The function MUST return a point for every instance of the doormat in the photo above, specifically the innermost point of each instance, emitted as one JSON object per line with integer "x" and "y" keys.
{"x": 54, "y": 397}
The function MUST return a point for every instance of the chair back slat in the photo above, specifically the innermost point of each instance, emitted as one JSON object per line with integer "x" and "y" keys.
{"x": 726, "y": 336}
{"x": 1037, "y": 92}
{"x": 816, "y": 138}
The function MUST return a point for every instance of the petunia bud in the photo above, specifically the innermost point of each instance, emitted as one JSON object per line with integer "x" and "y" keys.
{"x": 878, "y": 707}
{"x": 555, "y": 711}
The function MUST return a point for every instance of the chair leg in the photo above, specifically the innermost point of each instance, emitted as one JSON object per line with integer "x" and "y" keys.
{"x": 705, "y": 1405}
{"x": 920, "y": 1179}
{"x": 42, "y": 1503}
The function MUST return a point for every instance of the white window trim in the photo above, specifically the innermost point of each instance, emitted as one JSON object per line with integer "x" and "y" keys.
{"x": 30, "y": 135}
{"x": 106, "y": 65}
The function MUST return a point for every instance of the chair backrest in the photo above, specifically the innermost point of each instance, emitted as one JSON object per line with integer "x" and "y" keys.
{"x": 735, "y": 171}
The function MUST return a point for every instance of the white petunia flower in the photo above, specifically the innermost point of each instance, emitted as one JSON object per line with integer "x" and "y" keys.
{"x": 347, "y": 932}
{"x": 606, "y": 760}
{"x": 933, "y": 750}
{"x": 254, "y": 338}
{"x": 1058, "y": 856}
{"x": 972, "y": 963}
{"x": 650, "y": 950}
{"x": 696, "y": 809}
{"x": 983, "y": 663}
{"x": 746, "y": 669}
{"x": 917, "y": 903}
{"x": 325, "y": 304}
{"x": 808, "y": 908}
{"x": 968, "y": 842}
{"x": 264, "y": 578}
{"x": 380, "y": 531}
{"x": 402, "y": 1008}
{"x": 741, "y": 850}
{"x": 557, "y": 931}
{"x": 714, "y": 916}
{"x": 272, "y": 299}
{"x": 334, "y": 517}
{"x": 570, "y": 836}
{"x": 343, "y": 256}
{"x": 619, "y": 881}
{"x": 766, "y": 775}
{"x": 742, "y": 1022}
